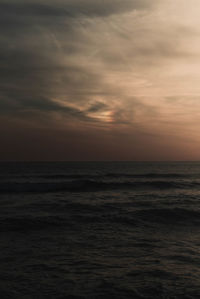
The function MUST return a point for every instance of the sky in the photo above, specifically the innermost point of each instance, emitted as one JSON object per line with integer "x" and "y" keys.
{"x": 99, "y": 80}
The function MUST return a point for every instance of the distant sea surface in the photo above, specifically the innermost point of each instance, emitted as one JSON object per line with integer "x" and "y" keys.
{"x": 100, "y": 230}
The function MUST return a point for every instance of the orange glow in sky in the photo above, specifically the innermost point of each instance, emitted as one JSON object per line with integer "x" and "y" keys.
{"x": 115, "y": 80}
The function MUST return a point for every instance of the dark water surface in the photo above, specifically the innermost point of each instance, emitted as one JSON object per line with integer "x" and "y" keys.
{"x": 100, "y": 230}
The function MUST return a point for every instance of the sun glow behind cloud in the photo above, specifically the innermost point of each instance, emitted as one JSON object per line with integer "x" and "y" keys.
{"x": 81, "y": 69}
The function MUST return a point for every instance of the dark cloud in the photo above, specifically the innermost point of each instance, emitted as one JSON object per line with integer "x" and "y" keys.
{"x": 72, "y": 7}
{"x": 35, "y": 104}
{"x": 29, "y": 9}
{"x": 96, "y": 107}
{"x": 104, "y": 7}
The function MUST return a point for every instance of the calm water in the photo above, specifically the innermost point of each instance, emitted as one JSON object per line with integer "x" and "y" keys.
{"x": 100, "y": 230}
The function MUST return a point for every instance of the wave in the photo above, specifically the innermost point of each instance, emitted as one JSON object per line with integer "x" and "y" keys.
{"x": 67, "y": 176}
{"x": 93, "y": 185}
{"x": 168, "y": 217}
{"x": 113, "y": 175}
{"x": 164, "y": 216}
{"x": 103, "y": 176}
{"x": 32, "y": 223}
{"x": 148, "y": 175}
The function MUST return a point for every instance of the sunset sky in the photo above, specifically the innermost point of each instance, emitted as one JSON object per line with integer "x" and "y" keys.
{"x": 99, "y": 80}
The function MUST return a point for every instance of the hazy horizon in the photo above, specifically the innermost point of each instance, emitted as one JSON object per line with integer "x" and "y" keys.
{"x": 100, "y": 161}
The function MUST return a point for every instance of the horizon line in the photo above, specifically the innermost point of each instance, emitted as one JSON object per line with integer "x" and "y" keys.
{"x": 97, "y": 161}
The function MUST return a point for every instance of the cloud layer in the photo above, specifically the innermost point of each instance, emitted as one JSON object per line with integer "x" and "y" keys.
{"x": 105, "y": 68}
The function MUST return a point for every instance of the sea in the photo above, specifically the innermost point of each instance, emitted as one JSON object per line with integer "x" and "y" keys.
{"x": 100, "y": 230}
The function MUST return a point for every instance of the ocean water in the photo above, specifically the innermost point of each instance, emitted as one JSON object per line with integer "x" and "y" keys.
{"x": 100, "y": 230}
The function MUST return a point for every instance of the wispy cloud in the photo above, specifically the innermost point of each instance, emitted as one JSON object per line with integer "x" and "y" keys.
{"x": 108, "y": 65}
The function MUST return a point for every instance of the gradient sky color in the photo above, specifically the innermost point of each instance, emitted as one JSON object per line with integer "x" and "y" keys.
{"x": 99, "y": 80}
